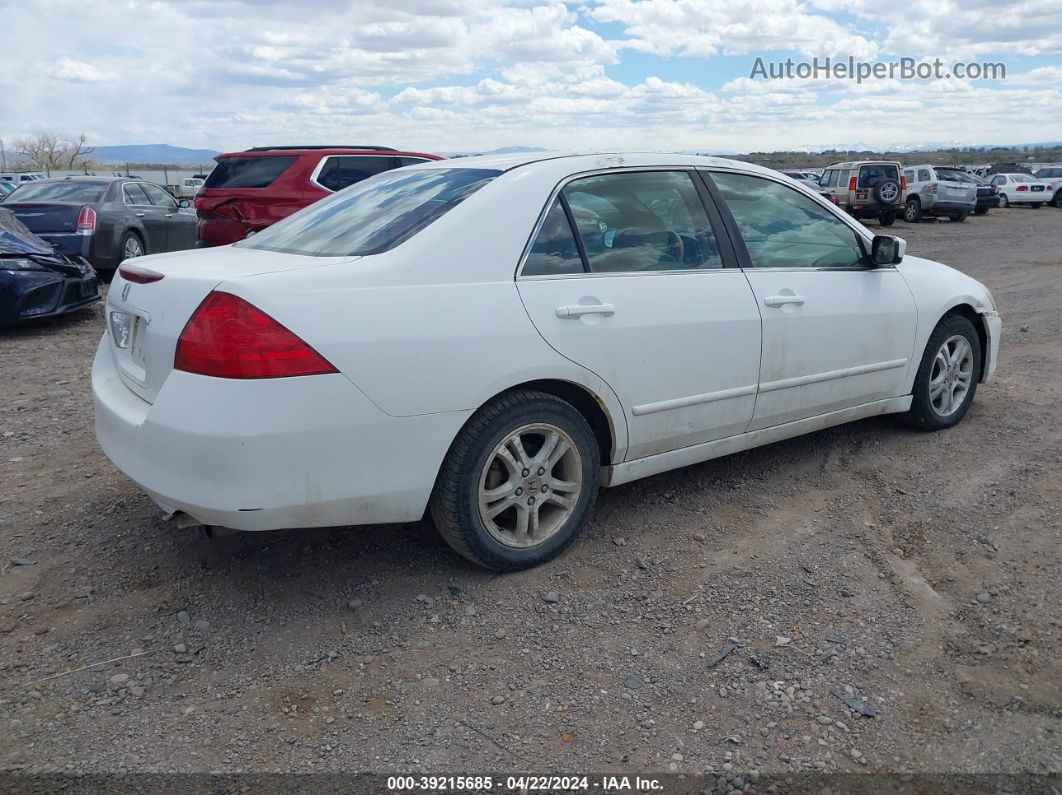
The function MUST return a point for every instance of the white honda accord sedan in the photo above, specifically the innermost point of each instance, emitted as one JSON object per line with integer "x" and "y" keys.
{"x": 492, "y": 339}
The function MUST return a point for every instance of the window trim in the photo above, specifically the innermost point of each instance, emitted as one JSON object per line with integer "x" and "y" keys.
{"x": 715, "y": 220}
{"x": 321, "y": 164}
{"x": 863, "y": 235}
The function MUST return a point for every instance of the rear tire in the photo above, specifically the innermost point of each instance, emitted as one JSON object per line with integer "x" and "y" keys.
{"x": 946, "y": 381}
{"x": 887, "y": 219}
{"x": 912, "y": 212}
{"x": 958, "y": 218}
{"x": 131, "y": 247}
{"x": 500, "y": 506}
{"x": 1037, "y": 205}
{"x": 1057, "y": 200}
{"x": 981, "y": 211}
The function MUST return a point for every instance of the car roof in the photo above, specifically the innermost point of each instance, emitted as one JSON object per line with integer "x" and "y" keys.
{"x": 576, "y": 162}
{"x": 366, "y": 149}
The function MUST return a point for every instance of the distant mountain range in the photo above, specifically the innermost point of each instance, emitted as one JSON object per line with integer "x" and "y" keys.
{"x": 151, "y": 153}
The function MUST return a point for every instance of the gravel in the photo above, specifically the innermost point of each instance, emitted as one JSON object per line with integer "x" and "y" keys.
{"x": 309, "y": 652}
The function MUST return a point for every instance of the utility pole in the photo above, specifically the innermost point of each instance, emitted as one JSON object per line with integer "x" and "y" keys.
{"x": 3, "y": 155}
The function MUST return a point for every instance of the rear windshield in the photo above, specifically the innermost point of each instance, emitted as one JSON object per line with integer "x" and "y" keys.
{"x": 248, "y": 172}
{"x": 72, "y": 191}
{"x": 374, "y": 215}
{"x": 955, "y": 176}
{"x": 878, "y": 171}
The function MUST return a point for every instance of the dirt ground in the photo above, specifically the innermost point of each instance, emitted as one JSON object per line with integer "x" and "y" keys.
{"x": 918, "y": 573}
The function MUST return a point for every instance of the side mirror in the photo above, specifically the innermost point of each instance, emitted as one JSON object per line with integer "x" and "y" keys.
{"x": 887, "y": 250}
{"x": 184, "y": 203}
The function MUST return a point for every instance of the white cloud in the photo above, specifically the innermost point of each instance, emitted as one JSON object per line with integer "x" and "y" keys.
{"x": 78, "y": 72}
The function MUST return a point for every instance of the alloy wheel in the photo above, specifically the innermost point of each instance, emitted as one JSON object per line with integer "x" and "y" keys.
{"x": 951, "y": 376}
{"x": 530, "y": 485}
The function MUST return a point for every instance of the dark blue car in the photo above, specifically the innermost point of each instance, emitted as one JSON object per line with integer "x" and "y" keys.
{"x": 35, "y": 280}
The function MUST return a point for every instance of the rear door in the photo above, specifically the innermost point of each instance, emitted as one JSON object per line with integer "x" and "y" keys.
{"x": 152, "y": 217}
{"x": 641, "y": 294}
{"x": 836, "y": 332}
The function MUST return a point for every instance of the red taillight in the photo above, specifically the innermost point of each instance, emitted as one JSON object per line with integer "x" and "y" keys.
{"x": 1021, "y": 188}
{"x": 903, "y": 182}
{"x": 995, "y": 188}
{"x": 86, "y": 220}
{"x": 933, "y": 188}
{"x": 131, "y": 273}
{"x": 852, "y": 183}
{"x": 226, "y": 337}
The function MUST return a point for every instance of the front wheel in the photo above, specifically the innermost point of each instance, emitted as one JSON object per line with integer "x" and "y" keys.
{"x": 1003, "y": 200}
{"x": 1057, "y": 200}
{"x": 887, "y": 219}
{"x": 912, "y": 212}
{"x": 519, "y": 483}
{"x": 946, "y": 381}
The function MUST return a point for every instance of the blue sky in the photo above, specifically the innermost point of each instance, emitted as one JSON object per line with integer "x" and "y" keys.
{"x": 445, "y": 75}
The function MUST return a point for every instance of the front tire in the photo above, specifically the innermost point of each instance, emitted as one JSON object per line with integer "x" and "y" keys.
{"x": 947, "y": 378}
{"x": 1003, "y": 200}
{"x": 519, "y": 482}
{"x": 1057, "y": 200}
{"x": 912, "y": 212}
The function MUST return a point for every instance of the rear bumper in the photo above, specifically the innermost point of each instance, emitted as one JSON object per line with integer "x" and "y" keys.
{"x": 270, "y": 453}
{"x": 943, "y": 207}
{"x": 987, "y": 201}
{"x": 69, "y": 243}
{"x": 1030, "y": 198}
{"x": 874, "y": 210}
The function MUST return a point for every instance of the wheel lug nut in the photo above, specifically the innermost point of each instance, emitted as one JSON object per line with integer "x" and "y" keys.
{"x": 541, "y": 471}
{"x": 545, "y": 489}
{"x": 530, "y": 500}
{"x": 526, "y": 472}
{"x": 519, "y": 492}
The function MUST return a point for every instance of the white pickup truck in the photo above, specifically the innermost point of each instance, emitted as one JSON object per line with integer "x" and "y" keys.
{"x": 189, "y": 187}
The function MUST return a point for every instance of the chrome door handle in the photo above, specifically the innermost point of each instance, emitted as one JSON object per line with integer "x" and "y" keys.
{"x": 782, "y": 300}
{"x": 578, "y": 310}
{"x": 139, "y": 215}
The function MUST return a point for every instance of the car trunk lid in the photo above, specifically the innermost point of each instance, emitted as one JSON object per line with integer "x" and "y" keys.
{"x": 145, "y": 320}
{"x": 47, "y": 217}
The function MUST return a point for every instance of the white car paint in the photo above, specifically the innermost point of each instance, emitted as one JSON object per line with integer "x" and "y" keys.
{"x": 1023, "y": 189}
{"x": 426, "y": 333}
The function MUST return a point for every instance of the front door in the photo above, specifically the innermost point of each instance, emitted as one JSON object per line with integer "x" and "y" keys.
{"x": 836, "y": 332}
{"x": 642, "y": 296}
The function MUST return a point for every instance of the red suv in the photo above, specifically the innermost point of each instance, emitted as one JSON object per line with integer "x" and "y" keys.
{"x": 248, "y": 191}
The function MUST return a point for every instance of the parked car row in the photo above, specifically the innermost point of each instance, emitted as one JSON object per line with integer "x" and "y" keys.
{"x": 886, "y": 190}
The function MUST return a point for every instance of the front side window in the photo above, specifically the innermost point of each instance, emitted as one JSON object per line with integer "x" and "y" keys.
{"x": 642, "y": 221}
{"x": 342, "y": 172}
{"x": 374, "y": 215}
{"x": 158, "y": 196}
{"x": 555, "y": 250}
{"x": 783, "y": 228}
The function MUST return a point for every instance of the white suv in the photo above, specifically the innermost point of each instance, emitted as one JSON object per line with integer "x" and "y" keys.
{"x": 930, "y": 192}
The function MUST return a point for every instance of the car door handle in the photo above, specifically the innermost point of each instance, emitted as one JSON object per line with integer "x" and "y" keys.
{"x": 139, "y": 215}
{"x": 578, "y": 310}
{"x": 782, "y": 300}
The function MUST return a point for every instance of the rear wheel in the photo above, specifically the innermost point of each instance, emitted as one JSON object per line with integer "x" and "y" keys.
{"x": 958, "y": 218}
{"x": 912, "y": 211}
{"x": 946, "y": 381}
{"x": 1037, "y": 205}
{"x": 981, "y": 211}
{"x": 132, "y": 246}
{"x": 886, "y": 219}
{"x": 1057, "y": 200}
{"x": 519, "y": 483}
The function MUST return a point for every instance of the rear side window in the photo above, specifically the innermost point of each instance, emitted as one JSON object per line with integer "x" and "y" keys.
{"x": 71, "y": 191}
{"x": 341, "y": 172}
{"x": 924, "y": 175}
{"x": 642, "y": 221}
{"x": 134, "y": 194}
{"x": 410, "y": 161}
{"x": 248, "y": 172}
{"x": 374, "y": 215}
{"x": 555, "y": 250}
